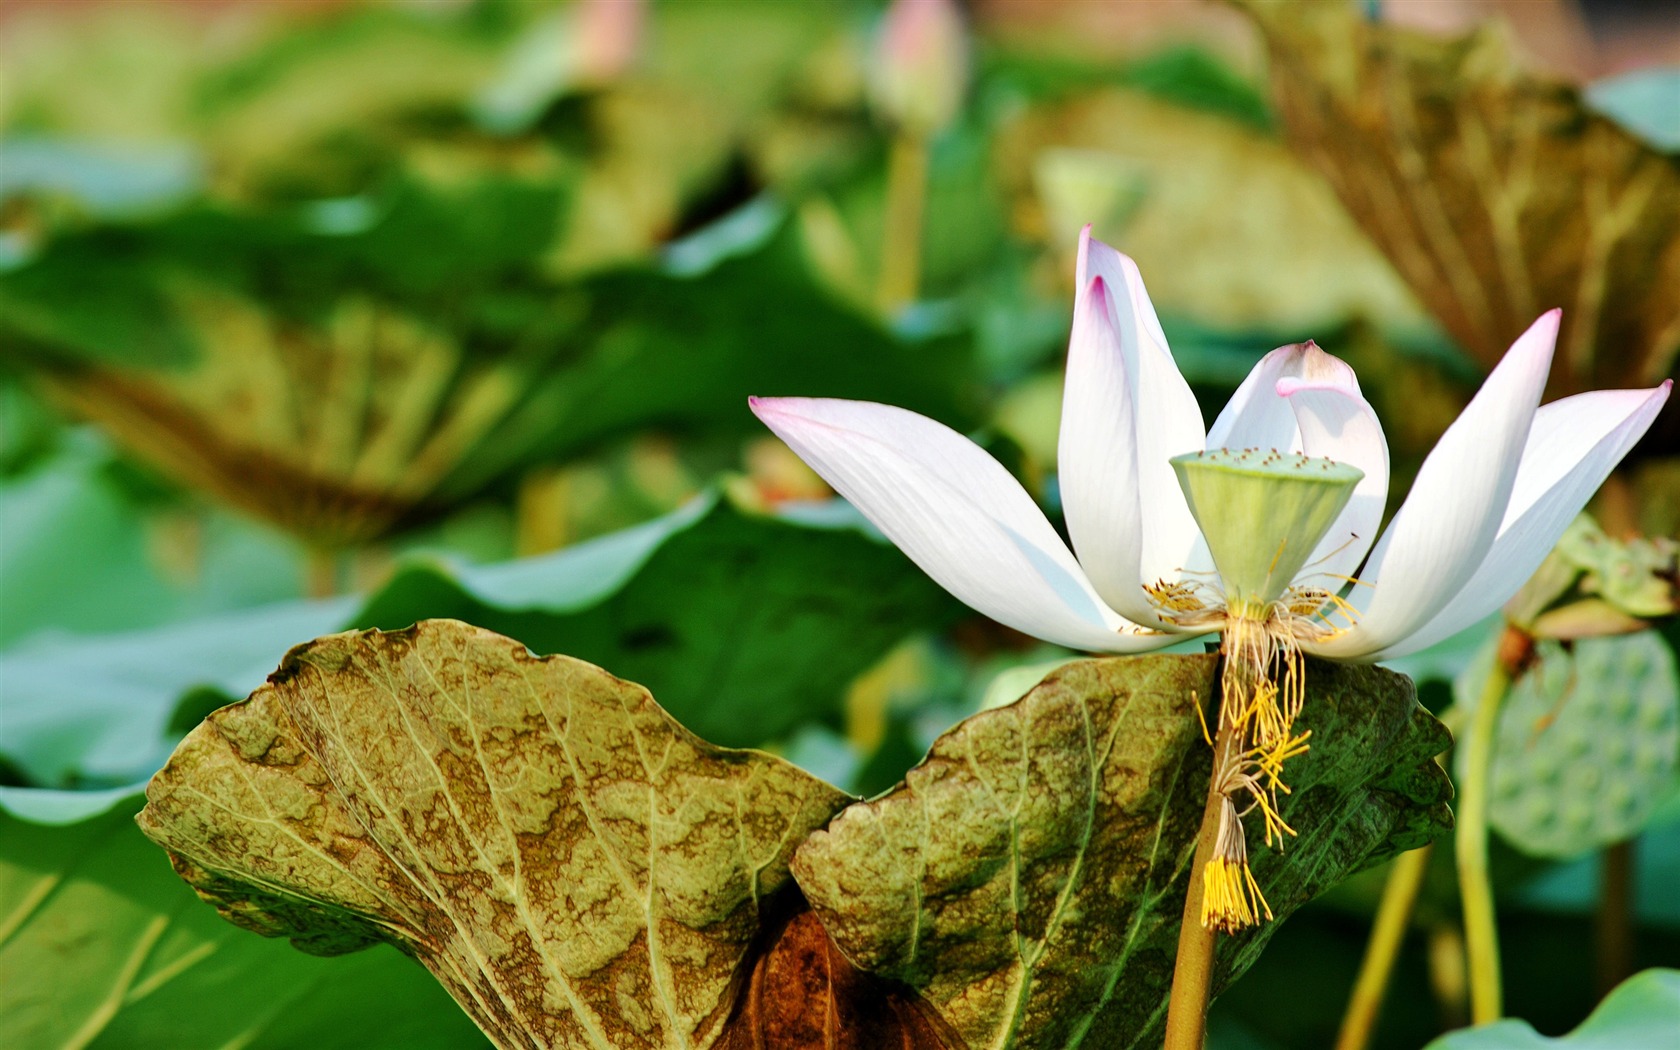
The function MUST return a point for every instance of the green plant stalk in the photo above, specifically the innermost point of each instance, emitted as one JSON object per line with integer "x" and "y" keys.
{"x": 1481, "y": 935}
{"x": 1394, "y": 917}
{"x": 901, "y": 240}
{"x": 1193, "y": 968}
{"x": 1613, "y": 928}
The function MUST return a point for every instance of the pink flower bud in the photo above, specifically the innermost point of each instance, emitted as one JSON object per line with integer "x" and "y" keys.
{"x": 919, "y": 70}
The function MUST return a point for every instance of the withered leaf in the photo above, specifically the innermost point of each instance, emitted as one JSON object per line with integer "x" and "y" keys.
{"x": 575, "y": 868}
{"x": 1203, "y": 203}
{"x": 1496, "y": 193}
{"x": 335, "y": 431}
{"x": 1027, "y": 879}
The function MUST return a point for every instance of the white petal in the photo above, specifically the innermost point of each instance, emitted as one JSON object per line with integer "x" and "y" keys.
{"x": 957, "y": 513}
{"x": 1097, "y": 459}
{"x": 1168, "y": 419}
{"x": 1336, "y": 422}
{"x": 1258, "y": 416}
{"x": 1444, "y": 529}
{"x": 1574, "y": 445}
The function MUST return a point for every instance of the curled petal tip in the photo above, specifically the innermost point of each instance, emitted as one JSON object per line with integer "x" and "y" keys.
{"x": 765, "y": 406}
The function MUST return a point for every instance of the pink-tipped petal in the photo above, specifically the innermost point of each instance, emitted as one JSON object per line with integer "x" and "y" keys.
{"x": 1336, "y": 422}
{"x": 1574, "y": 445}
{"x": 1168, "y": 421}
{"x": 957, "y": 513}
{"x": 1444, "y": 530}
{"x": 1097, "y": 459}
{"x": 1258, "y": 416}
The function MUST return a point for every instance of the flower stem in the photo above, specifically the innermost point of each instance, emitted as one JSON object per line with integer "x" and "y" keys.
{"x": 1193, "y": 969}
{"x": 1394, "y": 916}
{"x": 1613, "y": 921}
{"x": 901, "y": 243}
{"x": 1481, "y": 937}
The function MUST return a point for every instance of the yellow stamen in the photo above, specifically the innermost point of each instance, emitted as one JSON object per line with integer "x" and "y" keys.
{"x": 1175, "y": 597}
{"x": 1231, "y": 899}
{"x": 1202, "y": 718}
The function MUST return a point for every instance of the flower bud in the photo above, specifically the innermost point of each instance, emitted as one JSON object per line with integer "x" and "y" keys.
{"x": 919, "y": 71}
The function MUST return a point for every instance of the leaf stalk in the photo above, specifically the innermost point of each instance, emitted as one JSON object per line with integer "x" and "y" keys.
{"x": 1475, "y": 889}
{"x": 901, "y": 243}
{"x": 1388, "y": 933}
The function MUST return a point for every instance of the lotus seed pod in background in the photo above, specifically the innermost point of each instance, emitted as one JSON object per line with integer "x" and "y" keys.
{"x": 1587, "y": 742}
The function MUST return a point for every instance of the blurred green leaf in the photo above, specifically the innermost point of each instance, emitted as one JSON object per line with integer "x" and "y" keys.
{"x": 95, "y": 711}
{"x": 1588, "y": 741}
{"x": 1645, "y": 101}
{"x": 345, "y": 385}
{"x": 119, "y": 72}
{"x": 103, "y": 947}
{"x": 330, "y": 90}
{"x": 94, "y": 300}
{"x": 744, "y": 626}
{"x": 1187, "y": 75}
{"x": 82, "y": 555}
{"x": 652, "y": 349}
{"x": 110, "y": 179}
{"x": 749, "y": 626}
{"x": 1574, "y": 887}
{"x": 1643, "y": 1011}
{"x": 1027, "y": 878}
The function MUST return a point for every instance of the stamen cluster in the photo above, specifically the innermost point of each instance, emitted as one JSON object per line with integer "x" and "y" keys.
{"x": 1263, "y": 684}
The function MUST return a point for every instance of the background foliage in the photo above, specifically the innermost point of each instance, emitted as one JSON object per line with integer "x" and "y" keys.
{"x": 323, "y": 317}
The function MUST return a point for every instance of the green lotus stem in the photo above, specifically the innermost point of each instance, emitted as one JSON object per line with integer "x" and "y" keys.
{"x": 1193, "y": 969}
{"x": 901, "y": 240}
{"x": 1481, "y": 936}
{"x": 1394, "y": 917}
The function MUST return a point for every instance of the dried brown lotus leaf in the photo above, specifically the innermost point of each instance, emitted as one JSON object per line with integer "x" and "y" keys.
{"x": 1026, "y": 881}
{"x": 571, "y": 864}
{"x": 336, "y": 432}
{"x": 1495, "y": 192}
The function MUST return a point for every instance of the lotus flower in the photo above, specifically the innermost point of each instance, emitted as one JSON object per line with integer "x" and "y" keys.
{"x": 1266, "y": 518}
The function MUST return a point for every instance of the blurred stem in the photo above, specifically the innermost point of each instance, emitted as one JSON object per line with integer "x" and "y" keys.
{"x": 1613, "y": 922}
{"x": 1193, "y": 969}
{"x": 1445, "y": 948}
{"x": 901, "y": 241}
{"x": 1394, "y": 916}
{"x": 320, "y": 572}
{"x": 1475, "y": 889}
